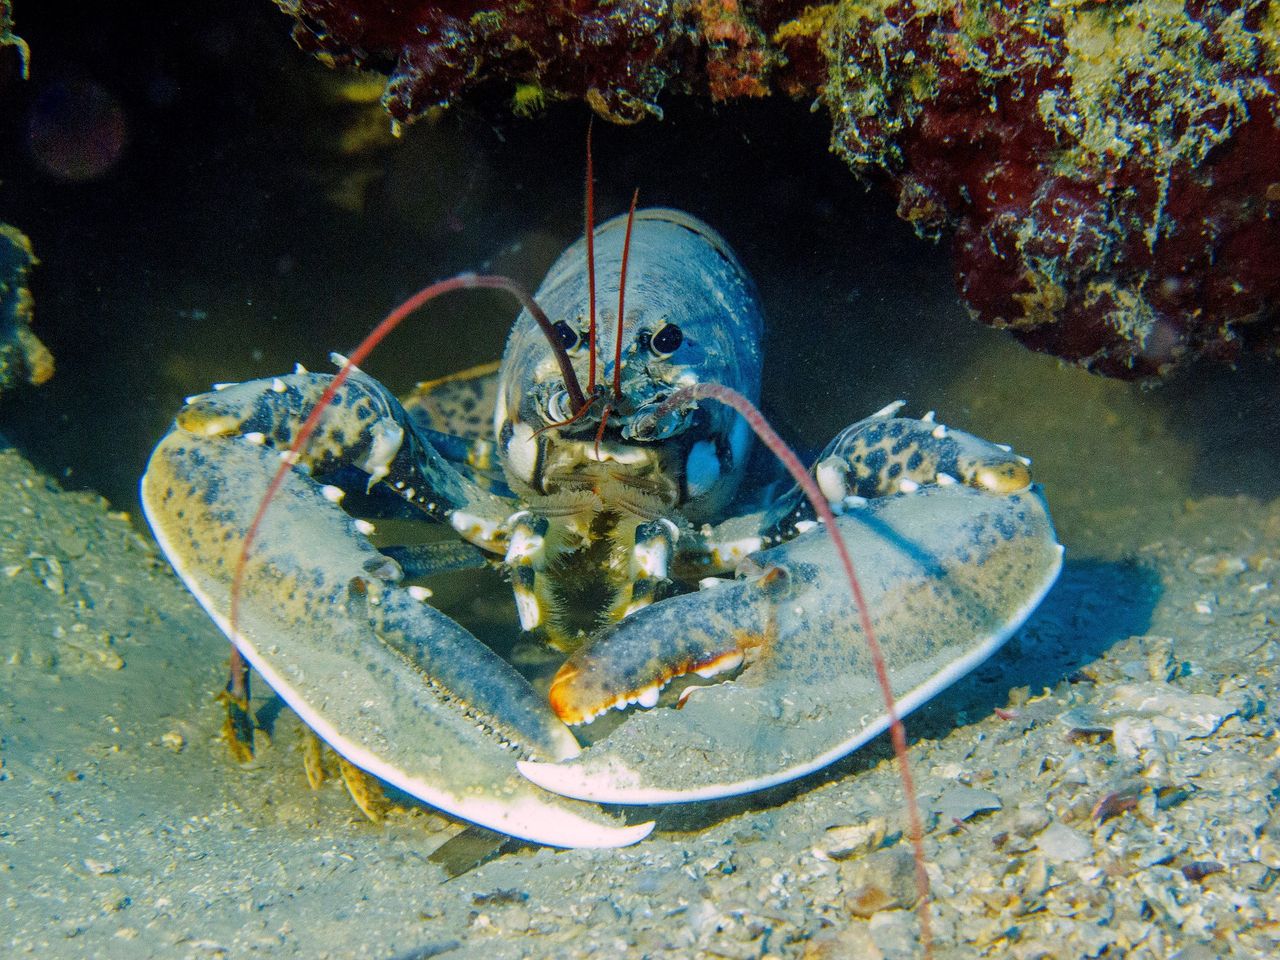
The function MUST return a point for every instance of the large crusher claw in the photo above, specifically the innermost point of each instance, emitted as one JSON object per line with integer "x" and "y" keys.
{"x": 391, "y": 684}
{"x": 948, "y": 572}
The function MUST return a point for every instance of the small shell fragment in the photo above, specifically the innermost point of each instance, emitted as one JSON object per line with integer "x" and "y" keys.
{"x": 847, "y": 841}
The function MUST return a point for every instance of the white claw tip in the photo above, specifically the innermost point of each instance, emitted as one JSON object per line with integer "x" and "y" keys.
{"x": 255, "y": 437}
{"x": 421, "y": 594}
{"x": 939, "y": 432}
{"x": 365, "y": 527}
{"x": 946, "y": 480}
{"x": 907, "y": 485}
{"x": 299, "y": 368}
{"x": 1005, "y": 447}
{"x": 223, "y": 386}
{"x": 333, "y": 494}
{"x": 928, "y": 417}
{"x": 277, "y": 385}
{"x": 888, "y": 410}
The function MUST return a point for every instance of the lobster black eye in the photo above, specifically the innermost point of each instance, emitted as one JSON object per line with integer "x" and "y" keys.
{"x": 568, "y": 336}
{"x": 666, "y": 341}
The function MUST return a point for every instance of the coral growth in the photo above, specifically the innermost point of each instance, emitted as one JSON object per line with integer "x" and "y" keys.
{"x": 22, "y": 356}
{"x": 618, "y": 56}
{"x": 1108, "y": 169}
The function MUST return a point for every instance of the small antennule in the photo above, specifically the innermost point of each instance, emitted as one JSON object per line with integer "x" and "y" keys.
{"x": 622, "y": 299}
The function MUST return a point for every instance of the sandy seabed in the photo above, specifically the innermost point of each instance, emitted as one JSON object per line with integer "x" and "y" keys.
{"x": 1125, "y": 800}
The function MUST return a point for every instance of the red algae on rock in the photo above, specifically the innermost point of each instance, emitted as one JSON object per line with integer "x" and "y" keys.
{"x": 1108, "y": 170}
{"x": 618, "y": 56}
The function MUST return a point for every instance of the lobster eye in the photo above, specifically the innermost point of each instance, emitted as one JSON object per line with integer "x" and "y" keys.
{"x": 666, "y": 341}
{"x": 558, "y": 407}
{"x": 568, "y": 336}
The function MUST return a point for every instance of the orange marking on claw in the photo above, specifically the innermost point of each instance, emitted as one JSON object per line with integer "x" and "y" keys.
{"x": 561, "y": 697}
{"x": 569, "y": 705}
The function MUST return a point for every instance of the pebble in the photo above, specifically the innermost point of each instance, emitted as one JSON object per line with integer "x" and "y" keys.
{"x": 848, "y": 841}
{"x": 1060, "y": 842}
{"x": 1218, "y": 565}
{"x": 884, "y": 880}
{"x": 959, "y": 802}
{"x": 1150, "y": 710}
{"x": 174, "y": 740}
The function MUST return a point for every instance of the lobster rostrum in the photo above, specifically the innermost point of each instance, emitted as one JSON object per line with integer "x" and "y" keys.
{"x": 605, "y": 474}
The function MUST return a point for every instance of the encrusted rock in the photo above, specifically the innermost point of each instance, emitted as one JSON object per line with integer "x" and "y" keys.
{"x": 22, "y": 356}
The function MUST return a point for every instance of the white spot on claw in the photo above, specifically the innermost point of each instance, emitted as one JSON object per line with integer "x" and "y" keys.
{"x": 832, "y": 474}
{"x": 702, "y": 468}
{"x": 889, "y": 410}
{"x": 387, "y": 435}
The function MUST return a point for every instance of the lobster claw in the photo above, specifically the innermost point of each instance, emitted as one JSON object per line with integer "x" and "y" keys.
{"x": 948, "y": 573}
{"x": 391, "y": 684}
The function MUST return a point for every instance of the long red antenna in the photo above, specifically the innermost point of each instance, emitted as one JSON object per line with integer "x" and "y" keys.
{"x": 464, "y": 281}
{"x": 591, "y": 261}
{"x": 622, "y": 299}
{"x": 897, "y": 733}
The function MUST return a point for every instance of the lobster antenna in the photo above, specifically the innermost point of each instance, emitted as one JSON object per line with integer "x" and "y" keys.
{"x": 897, "y": 733}
{"x": 591, "y": 260}
{"x": 463, "y": 281}
{"x": 622, "y": 299}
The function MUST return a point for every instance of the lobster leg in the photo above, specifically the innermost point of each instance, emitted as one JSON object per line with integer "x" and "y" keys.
{"x": 527, "y": 557}
{"x": 237, "y": 726}
{"x": 648, "y": 567}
